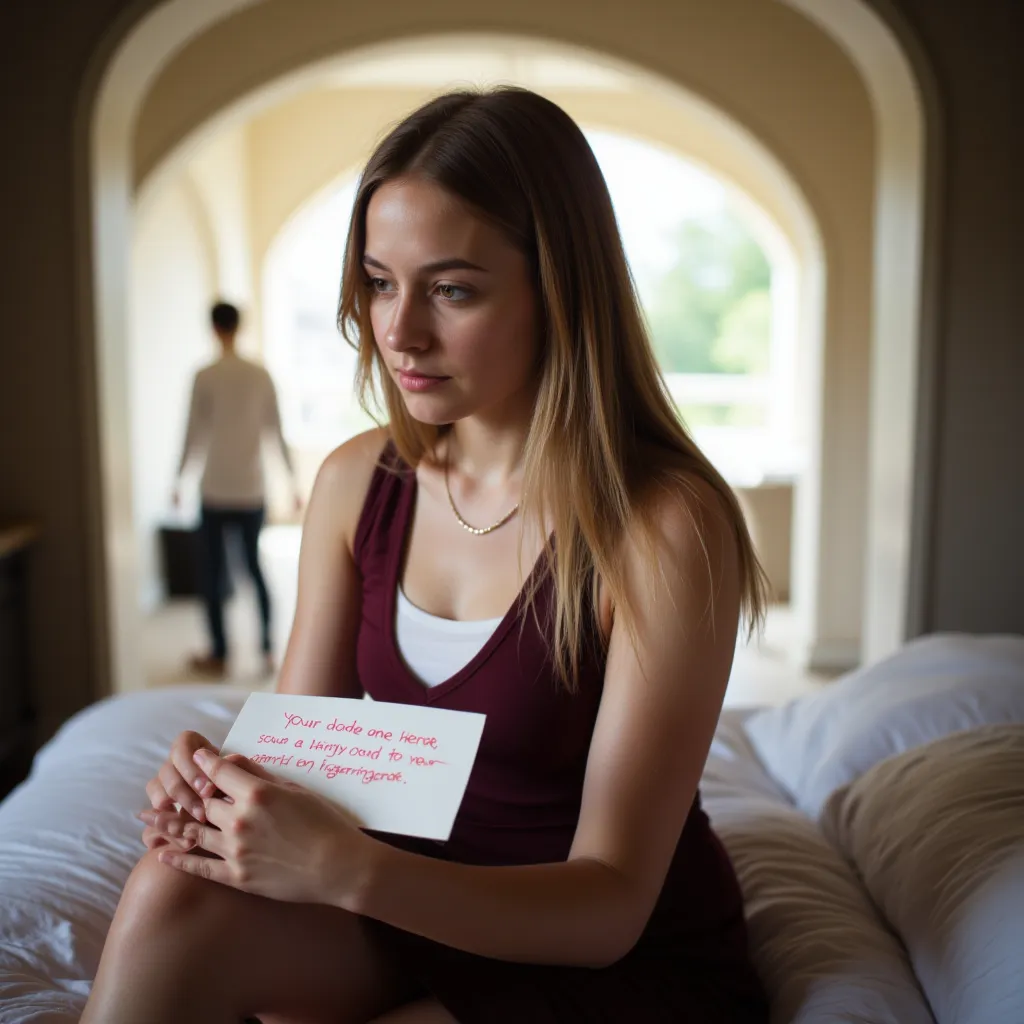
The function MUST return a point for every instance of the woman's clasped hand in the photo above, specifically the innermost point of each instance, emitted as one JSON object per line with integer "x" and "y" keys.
{"x": 257, "y": 833}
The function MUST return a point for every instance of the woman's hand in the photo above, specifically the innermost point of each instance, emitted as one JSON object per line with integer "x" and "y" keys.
{"x": 166, "y": 827}
{"x": 271, "y": 838}
{"x": 181, "y": 781}
{"x": 165, "y": 833}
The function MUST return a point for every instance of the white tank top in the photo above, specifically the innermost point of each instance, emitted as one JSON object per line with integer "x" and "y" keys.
{"x": 436, "y": 648}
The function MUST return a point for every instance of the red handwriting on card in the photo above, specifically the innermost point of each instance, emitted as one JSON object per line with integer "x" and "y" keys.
{"x": 353, "y": 727}
{"x": 423, "y": 741}
{"x": 332, "y": 769}
{"x": 297, "y": 721}
{"x": 371, "y": 755}
{"x": 331, "y": 749}
{"x": 281, "y": 760}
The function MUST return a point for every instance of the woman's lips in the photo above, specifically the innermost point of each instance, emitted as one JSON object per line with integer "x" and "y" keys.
{"x": 418, "y": 381}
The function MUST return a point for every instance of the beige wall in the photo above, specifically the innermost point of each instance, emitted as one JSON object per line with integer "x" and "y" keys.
{"x": 173, "y": 280}
{"x": 304, "y": 143}
{"x": 220, "y": 172}
{"x": 769, "y": 511}
{"x": 51, "y": 56}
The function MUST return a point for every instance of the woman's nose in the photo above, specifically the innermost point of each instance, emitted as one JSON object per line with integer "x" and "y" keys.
{"x": 407, "y": 329}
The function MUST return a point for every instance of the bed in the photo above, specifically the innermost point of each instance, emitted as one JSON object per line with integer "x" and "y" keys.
{"x": 877, "y": 829}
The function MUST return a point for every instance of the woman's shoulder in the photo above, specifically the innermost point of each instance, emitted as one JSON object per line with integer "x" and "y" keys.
{"x": 683, "y": 512}
{"x": 358, "y": 456}
{"x": 344, "y": 478}
{"x": 672, "y": 485}
{"x": 682, "y": 542}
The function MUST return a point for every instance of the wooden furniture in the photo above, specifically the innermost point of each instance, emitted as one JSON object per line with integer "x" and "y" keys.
{"x": 17, "y": 735}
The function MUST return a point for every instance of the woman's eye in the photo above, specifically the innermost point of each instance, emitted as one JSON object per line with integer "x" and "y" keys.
{"x": 452, "y": 292}
{"x": 379, "y": 284}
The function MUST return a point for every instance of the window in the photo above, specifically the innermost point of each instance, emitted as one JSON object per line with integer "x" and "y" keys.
{"x": 710, "y": 296}
{"x": 312, "y": 364}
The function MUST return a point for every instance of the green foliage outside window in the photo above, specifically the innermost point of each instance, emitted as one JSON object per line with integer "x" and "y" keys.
{"x": 710, "y": 312}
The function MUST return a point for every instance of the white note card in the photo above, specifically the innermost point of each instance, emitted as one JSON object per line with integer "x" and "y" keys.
{"x": 395, "y": 767}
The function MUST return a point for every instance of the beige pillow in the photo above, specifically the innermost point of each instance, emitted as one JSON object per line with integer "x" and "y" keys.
{"x": 937, "y": 834}
{"x": 819, "y": 945}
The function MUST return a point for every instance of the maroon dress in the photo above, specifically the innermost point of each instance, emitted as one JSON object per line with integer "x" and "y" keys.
{"x": 521, "y": 807}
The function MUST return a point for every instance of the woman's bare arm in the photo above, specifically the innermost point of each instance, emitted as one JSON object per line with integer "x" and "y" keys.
{"x": 320, "y": 658}
{"x": 659, "y": 708}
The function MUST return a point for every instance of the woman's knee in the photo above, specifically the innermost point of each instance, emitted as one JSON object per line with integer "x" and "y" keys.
{"x": 162, "y": 897}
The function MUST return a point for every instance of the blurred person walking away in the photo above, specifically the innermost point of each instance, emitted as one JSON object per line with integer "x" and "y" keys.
{"x": 234, "y": 405}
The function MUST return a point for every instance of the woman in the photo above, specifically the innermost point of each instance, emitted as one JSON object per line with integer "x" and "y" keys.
{"x": 533, "y": 536}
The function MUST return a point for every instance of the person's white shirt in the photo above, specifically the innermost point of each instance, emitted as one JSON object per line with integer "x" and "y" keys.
{"x": 234, "y": 406}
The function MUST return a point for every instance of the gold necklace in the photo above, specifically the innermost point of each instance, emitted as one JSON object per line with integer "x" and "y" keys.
{"x": 478, "y": 531}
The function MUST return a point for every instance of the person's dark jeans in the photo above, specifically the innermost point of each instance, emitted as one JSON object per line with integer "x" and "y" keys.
{"x": 213, "y": 526}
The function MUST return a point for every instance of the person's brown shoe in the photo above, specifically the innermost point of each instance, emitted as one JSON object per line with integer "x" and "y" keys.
{"x": 208, "y": 665}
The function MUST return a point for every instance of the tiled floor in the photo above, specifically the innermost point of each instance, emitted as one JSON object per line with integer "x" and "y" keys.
{"x": 761, "y": 673}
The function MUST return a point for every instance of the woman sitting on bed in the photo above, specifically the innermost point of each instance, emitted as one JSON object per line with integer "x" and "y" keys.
{"x": 534, "y": 536}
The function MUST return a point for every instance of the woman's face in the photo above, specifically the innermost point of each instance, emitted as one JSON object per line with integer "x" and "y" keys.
{"x": 451, "y": 304}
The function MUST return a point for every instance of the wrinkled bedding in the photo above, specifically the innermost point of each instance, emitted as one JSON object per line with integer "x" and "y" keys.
{"x": 68, "y": 840}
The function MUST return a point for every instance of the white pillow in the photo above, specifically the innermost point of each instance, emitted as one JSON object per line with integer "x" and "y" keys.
{"x": 937, "y": 835}
{"x": 818, "y": 944}
{"x": 933, "y": 686}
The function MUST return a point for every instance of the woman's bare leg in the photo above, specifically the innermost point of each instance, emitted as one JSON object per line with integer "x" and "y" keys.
{"x": 181, "y": 948}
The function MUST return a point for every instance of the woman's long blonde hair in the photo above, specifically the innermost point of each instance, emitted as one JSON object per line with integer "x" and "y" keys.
{"x": 603, "y": 423}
